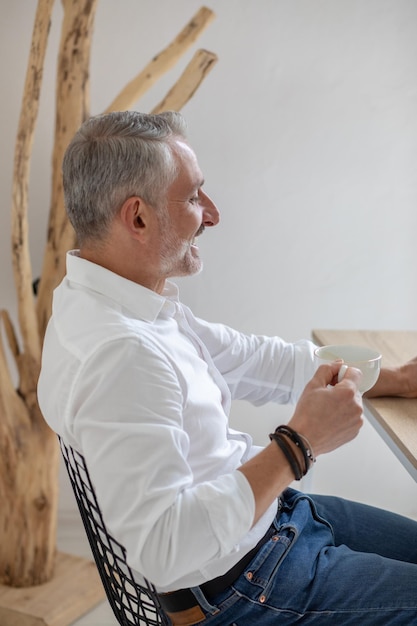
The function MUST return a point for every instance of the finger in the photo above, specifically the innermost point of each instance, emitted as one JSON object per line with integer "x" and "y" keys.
{"x": 351, "y": 374}
{"x": 326, "y": 373}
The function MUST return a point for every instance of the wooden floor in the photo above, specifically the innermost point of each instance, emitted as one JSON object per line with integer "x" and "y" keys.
{"x": 72, "y": 539}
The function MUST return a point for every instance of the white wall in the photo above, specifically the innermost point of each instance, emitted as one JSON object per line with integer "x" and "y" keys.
{"x": 306, "y": 131}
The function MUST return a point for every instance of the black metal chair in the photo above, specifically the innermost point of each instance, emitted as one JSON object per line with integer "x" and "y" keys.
{"x": 133, "y": 604}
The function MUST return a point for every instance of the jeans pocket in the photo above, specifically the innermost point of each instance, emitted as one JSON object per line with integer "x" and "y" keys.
{"x": 268, "y": 560}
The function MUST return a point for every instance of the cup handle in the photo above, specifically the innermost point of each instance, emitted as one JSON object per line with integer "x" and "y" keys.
{"x": 342, "y": 372}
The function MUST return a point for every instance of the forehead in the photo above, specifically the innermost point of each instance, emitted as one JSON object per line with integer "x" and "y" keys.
{"x": 188, "y": 170}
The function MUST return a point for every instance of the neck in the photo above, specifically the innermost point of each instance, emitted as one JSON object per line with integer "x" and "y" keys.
{"x": 124, "y": 266}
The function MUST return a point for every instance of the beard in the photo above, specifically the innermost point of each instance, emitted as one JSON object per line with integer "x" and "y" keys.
{"x": 179, "y": 257}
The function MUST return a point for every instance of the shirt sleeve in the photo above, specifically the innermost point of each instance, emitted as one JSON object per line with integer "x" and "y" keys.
{"x": 258, "y": 368}
{"x": 125, "y": 409}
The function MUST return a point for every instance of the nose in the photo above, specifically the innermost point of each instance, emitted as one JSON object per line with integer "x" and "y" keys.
{"x": 211, "y": 214}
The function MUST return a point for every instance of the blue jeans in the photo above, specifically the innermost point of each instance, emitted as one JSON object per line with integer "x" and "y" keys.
{"x": 331, "y": 562}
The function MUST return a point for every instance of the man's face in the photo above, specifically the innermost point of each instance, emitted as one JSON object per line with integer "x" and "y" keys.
{"x": 188, "y": 211}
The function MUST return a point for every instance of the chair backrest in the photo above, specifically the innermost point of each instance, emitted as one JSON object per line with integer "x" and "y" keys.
{"x": 133, "y": 604}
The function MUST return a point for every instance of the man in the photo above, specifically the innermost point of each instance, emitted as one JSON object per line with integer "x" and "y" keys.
{"x": 142, "y": 389}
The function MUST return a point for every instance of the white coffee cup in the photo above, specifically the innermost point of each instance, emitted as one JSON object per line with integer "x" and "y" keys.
{"x": 365, "y": 359}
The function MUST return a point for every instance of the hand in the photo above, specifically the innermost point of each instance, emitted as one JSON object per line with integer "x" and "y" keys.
{"x": 408, "y": 373}
{"x": 398, "y": 381}
{"x": 329, "y": 414}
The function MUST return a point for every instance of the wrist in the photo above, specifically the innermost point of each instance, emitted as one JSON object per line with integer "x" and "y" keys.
{"x": 296, "y": 448}
{"x": 392, "y": 381}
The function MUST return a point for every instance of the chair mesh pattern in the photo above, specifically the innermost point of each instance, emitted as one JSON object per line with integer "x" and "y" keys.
{"x": 133, "y": 604}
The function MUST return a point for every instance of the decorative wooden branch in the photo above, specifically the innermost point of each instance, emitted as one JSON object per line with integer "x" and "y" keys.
{"x": 8, "y": 393}
{"x": 28, "y": 484}
{"x": 162, "y": 62}
{"x": 23, "y": 149}
{"x": 13, "y": 411}
{"x": 10, "y": 334}
{"x": 188, "y": 83}
{"x": 72, "y": 108}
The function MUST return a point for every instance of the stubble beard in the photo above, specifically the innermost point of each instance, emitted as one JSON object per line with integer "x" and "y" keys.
{"x": 177, "y": 257}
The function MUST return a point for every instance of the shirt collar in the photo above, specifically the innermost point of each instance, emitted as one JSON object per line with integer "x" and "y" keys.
{"x": 144, "y": 303}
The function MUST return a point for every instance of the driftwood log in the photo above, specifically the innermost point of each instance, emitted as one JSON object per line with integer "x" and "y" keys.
{"x": 29, "y": 456}
{"x": 28, "y": 487}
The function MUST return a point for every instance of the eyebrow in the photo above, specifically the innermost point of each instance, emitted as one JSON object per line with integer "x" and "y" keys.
{"x": 197, "y": 185}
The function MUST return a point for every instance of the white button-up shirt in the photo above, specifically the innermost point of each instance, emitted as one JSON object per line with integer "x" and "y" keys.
{"x": 143, "y": 389}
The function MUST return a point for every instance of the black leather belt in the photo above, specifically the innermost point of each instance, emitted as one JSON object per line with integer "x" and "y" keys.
{"x": 184, "y": 599}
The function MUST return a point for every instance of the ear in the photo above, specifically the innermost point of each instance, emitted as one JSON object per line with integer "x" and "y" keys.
{"x": 136, "y": 216}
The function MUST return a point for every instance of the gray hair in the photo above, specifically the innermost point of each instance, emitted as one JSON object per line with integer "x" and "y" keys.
{"x": 115, "y": 156}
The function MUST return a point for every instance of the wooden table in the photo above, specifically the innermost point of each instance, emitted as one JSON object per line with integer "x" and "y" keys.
{"x": 395, "y": 419}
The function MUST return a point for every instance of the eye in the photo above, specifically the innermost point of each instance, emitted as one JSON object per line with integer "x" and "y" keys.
{"x": 194, "y": 199}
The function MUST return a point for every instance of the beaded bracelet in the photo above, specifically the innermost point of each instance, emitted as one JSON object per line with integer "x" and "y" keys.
{"x": 288, "y": 453}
